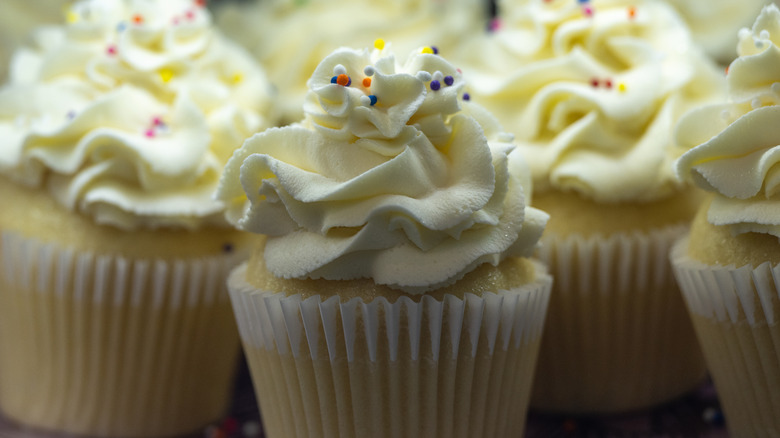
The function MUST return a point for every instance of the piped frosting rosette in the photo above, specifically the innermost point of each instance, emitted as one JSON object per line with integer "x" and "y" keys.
{"x": 592, "y": 90}
{"x": 390, "y": 176}
{"x": 129, "y": 111}
{"x": 735, "y": 147}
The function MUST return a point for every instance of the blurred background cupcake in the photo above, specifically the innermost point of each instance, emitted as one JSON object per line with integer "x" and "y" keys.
{"x": 394, "y": 294}
{"x": 728, "y": 266}
{"x": 592, "y": 91}
{"x": 116, "y": 126}
{"x": 291, "y": 37}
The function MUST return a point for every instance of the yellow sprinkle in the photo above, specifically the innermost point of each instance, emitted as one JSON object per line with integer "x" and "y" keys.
{"x": 379, "y": 44}
{"x": 427, "y": 50}
{"x": 237, "y": 78}
{"x": 622, "y": 87}
{"x": 71, "y": 17}
{"x": 166, "y": 75}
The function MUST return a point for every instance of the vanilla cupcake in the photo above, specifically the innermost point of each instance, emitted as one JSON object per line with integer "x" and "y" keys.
{"x": 592, "y": 91}
{"x": 114, "y": 318}
{"x": 273, "y": 30}
{"x": 394, "y": 294}
{"x": 728, "y": 266}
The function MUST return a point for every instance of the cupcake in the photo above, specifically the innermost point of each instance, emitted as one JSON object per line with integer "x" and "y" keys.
{"x": 114, "y": 316}
{"x": 393, "y": 294}
{"x": 592, "y": 91}
{"x": 273, "y": 31}
{"x": 727, "y": 267}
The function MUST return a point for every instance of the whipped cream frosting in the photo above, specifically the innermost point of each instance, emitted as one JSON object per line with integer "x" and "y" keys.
{"x": 592, "y": 91}
{"x": 734, "y": 147}
{"x": 291, "y": 37}
{"x": 129, "y": 111}
{"x": 714, "y": 23}
{"x": 390, "y": 176}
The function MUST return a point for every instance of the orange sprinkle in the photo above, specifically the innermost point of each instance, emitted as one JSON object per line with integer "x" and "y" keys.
{"x": 631, "y": 12}
{"x": 366, "y": 82}
{"x": 342, "y": 80}
{"x": 138, "y": 19}
{"x": 727, "y": 69}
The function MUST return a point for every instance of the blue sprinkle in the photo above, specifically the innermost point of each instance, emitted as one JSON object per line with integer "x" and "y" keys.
{"x": 435, "y": 50}
{"x": 333, "y": 79}
{"x": 584, "y": 1}
{"x": 449, "y": 80}
{"x": 373, "y": 99}
{"x": 435, "y": 85}
{"x": 121, "y": 26}
{"x": 466, "y": 96}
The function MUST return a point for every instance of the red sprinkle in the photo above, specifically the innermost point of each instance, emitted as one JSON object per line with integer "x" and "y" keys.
{"x": 608, "y": 83}
{"x": 594, "y": 82}
{"x": 200, "y": 3}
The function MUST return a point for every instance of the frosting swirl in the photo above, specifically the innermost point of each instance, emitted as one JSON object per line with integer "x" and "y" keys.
{"x": 272, "y": 30}
{"x": 592, "y": 91}
{"x": 735, "y": 146}
{"x": 129, "y": 112}
{"x": 390, "y": 176}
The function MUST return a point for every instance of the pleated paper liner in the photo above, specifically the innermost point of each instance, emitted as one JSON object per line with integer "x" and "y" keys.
{"x": 618, "y": 337}
{"x": 340, "y": 369}
{"x": 108, "y": 346}
{"x": 735, "y": 311}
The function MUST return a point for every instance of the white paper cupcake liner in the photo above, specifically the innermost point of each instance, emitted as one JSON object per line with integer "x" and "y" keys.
{"x": 735, "y": 313}
{"x": 428, "y": 368}
{"x": 617, "y": 337}
{"x": 109, "y": 346}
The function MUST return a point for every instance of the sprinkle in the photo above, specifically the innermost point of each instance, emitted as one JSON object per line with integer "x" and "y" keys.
{"x": 111, "y": 49}
{"x": 339, "y": 70}
{"x": 495, "y": 24}
{"x": 622, "y": 87}
{"x": 71, "y": 17}
{"x": 343, "y": 80}
{"x": 138, "y": 19}
{"x": 427, "y": 50}
{"x": 157, "y": 121}
{"x": 149, "y": 133}
{"x": 369, "y": 71}
{"x": 727, "y": 69}
{"x": 594, "y": 82}
{"x": 227, "y": 247}
{"x": 423, "y": 76}
{"x": 466, "y": 96}
{"x": 587, "y": 10}
{"x": 435, "y": 85}
{"x": 435, "y": 50}
{"x": 373, "y": 99}
{"x": 582, "y": 2}
{"x": 200, "y": 3}
{"x": 632, "y": 12}
{"x": 175, "y": 21}
{"x": 166, "y": 75}
{"x": 71, "y": 115}
{"x": 449, "y": 80}
{"x": 713, "y": 416}
{"x": 121, "y": 26}
{"x": 608, "y": 83}
{"x": 379, "y": 44}
{"x": 725, "y": 115}
{"x": 229, "y": 425}
{"x": 190, "y": 14}
{"x": 251, "y": 429}
{"x": 366, "y": 82}
{"x": 237, "y": 78}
